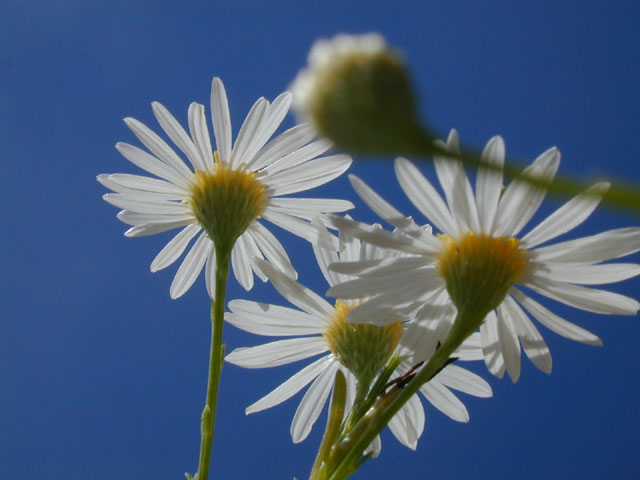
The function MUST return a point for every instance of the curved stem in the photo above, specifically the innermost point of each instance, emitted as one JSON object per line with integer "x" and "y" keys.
{"x": 216, "y": 359}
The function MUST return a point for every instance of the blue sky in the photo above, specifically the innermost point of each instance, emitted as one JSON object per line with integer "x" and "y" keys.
{"x": 102, "y": 375}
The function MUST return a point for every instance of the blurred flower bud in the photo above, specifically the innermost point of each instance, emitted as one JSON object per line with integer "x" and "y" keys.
{"x": 357, "y": 93}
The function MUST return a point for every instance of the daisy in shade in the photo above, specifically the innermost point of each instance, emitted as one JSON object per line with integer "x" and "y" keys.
{"x": 481, "y": 262}
{"x": 218, "y": 199}
{"x": 360, "y": 351}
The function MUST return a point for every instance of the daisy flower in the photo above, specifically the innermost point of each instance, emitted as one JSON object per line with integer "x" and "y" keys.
{"x": 480, "y": 262}
{"x": 360, "y": 351}
{"x": 219, "y": 199}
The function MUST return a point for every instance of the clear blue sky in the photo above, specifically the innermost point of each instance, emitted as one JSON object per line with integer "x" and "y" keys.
{"x": 102, "y": 376}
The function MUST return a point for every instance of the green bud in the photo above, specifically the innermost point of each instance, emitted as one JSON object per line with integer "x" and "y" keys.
{"x": 358, "y": 94}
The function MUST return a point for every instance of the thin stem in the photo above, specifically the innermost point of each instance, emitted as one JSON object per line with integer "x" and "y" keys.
{"x": 361, "y": 407}
{"x": 390, "y": 403}
{"x": 619, "y": 195}
{"x": 216, "y": 359}
{"x": 334, "y": 420}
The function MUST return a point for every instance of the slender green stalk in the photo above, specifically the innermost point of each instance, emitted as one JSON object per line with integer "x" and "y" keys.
{"x": 334, "y": 420}
{"x": 216, "y": 359}
{"x": 619, "y": 195}
{"x": 388, "y": 404}
{"x": 361, "y": 407}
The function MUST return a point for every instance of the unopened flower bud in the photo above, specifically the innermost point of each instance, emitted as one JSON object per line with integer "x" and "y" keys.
{"x": 357, "y": 93}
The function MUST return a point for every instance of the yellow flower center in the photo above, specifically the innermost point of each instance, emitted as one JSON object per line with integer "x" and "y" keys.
{"x": 479, "y": 270}
{"x": 363, "y": 348}
{"x": 225, "y": 202}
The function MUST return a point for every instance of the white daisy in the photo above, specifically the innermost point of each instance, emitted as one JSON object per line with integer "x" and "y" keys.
{"x": 480, "y": 261}
{"x": 219, "y": 201}
{"x": 359, "y": 351}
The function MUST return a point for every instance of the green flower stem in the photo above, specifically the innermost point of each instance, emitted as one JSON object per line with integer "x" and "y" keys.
{"x": 216, "y": 359}
{"x": 361, "y": 407}
{"x": 334, "y": 421}
{"x": 622, "y": 196}
{"x": 350, "y": 451}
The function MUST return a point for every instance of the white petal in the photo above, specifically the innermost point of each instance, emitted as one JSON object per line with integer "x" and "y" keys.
{"x": 296, "y": 293}
{"x": 459, "y": 194}
{"x": 136, "y": 218}
{"x": 172, "y": 250}
{"x": 587, "y": 274}
{"x": 301, "y": 228}
{"x": 221, "y": 119}
{"x": 308, "y": 208}
{"x": 241, "y": 263}
{"x": 271, "y": 248}
{"x": 383, "y": 208}
{"x": 489, "y": 184}
{"x": 293, "y": 158}
{"x": 308, "y": 175}
{"x": 325, "y": 257}
{"x": 158, "y": 147}
{"x": 384, "y": 239}
{"x": 270, "y": 122}
{"x": 593, "y": 249}
{"x": 465, "y": 381}
{"x": 248, "y": 133}
{"x": 253, "y": 252}
{"x": 312, "y": 403}
{"x": 445, "y": 401}
{"x": 521, "y": 200}
{"x": 264, "y": 319}
{"x": 422, "y": 279}
{"x": 471, "y": 348}
{"x": 493, "y": 358}
{"x": 422, "y": 194}
{"x": 283, "y": 145}
{"x": 381, "y": 267}
{"x": 590, "y": 299}
{"x": 152, "y": 228}
{"x": 210, "y": 273}
{"x": 408, "y": 424}
{"x": 292, "y": 386}
{"x": 177, "y": 134}
{"x": 151, "y": 164}
{"x": 509, "y": 343}
{"x": 139, "y": 183}
{"x": 532, "y": 342}
{"x": 567, "y": 217}
{"x": 191, "y": 266}
{"x": 277, "y": 353}
{"x": 142, "y": 204}
{"x": 554, "y": 322}
{"x": 200, "y": 134}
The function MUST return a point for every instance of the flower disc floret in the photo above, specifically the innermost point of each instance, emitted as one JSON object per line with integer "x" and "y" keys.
{"x": 479, "y": 270}
{"x": 363, "y": 348}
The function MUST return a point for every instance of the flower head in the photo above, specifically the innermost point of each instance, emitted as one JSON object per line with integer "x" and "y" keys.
{"x": 358, "y": 350}
{"x": 480, "y": 262}
{"x": 220, "y": 199}
{"x": 357, "y": 92}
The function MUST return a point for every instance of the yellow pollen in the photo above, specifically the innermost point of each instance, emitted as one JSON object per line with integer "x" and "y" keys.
{"x": 479, "y": 269}
{"x": 226, "y": 201}
{"x": 361, "y": 347}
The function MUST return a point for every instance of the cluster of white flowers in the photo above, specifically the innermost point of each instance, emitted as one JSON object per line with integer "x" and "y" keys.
{"x": 397, "y": 293}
